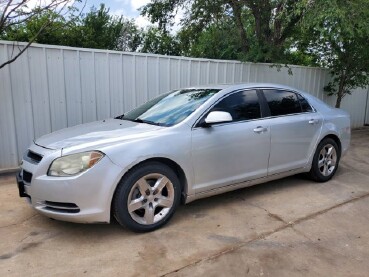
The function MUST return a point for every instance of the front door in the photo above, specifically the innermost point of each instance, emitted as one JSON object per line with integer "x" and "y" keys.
{"x": 231, "y": 152}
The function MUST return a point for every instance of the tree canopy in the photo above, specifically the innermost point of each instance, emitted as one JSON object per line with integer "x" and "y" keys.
{"x": 332, "y": 34}
{"x": 338, "y": 39}
{"x": 16, "y": 14}
{"x": 94, "y": 29}
{"x": 260, "y": 31}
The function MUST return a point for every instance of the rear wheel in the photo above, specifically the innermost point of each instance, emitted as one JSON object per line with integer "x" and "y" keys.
{"x": 147, "y": 197}
{"x": 325, "y": 161}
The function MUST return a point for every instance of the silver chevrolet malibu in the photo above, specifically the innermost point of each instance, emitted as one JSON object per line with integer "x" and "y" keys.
{"x": 181, "y": 146}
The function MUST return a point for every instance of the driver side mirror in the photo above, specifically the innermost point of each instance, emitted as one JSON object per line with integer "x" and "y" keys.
{"x": 218, "y": 117}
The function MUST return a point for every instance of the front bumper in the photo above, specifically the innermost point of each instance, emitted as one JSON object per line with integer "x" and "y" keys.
{"x": 84, "y": 198}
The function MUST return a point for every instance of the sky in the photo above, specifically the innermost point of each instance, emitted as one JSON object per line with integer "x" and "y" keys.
{"x": 128, "y": 8}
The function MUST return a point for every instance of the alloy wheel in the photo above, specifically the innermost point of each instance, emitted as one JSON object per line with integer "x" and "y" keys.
{"x": 150, "y": 199}
{"x": 327, "y": 160}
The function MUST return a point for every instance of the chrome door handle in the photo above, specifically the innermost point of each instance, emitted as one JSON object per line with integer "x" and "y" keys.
{"x": 260, "y": 129}
{"x": 313, "y": 121}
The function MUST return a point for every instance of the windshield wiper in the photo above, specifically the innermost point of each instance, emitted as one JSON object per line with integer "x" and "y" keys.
{"x": 119, "y": 116}
{"x": 139, "y": 120}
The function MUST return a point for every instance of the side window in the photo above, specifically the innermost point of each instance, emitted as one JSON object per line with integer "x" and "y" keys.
{"x": 282, "y": 102}
{"x": 243, "y": 105}
{"x": 305, "y": 106}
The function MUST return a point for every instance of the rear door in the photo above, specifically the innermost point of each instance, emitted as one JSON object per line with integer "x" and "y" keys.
{"x": 294, "y": 126}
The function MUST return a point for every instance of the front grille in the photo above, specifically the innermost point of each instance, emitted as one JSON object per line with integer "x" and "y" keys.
{"x": 33, "y": 157}
{"x": 27, "y": 176}
{"x": 61, "y": 207}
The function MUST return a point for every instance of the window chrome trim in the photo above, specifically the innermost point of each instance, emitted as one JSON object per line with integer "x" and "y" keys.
{"x": 257, "y": 119}
{"x": 194, "y": 126}
{"x": 220, "y": 99}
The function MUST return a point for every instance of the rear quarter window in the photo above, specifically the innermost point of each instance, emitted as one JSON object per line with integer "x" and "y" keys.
{"x": 305, "y": 106}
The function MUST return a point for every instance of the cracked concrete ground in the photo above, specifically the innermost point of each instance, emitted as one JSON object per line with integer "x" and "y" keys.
{"x": 287, "y": 227}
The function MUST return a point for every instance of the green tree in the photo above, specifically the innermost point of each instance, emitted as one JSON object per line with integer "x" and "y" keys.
{"x": 95, "y": 29}
{"x": 15, "y": 18}
{"x": 98, "y": 29}
{"x": 130, "y": 37}
{"x": 336, "y": 35}
{"x": 159, "y": 41}
{"x": 218, "y": 40}
{"x": 53, "y": 31}
{"x": 265, "y": 28}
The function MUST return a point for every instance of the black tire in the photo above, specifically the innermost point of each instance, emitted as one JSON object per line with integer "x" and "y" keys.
{"x": 315, "y": 172}
{"x": 123, "y": 192}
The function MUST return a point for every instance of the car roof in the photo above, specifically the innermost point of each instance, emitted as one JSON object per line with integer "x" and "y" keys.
{"x": 243, "y": 86}
{"x": 227, "y": 88}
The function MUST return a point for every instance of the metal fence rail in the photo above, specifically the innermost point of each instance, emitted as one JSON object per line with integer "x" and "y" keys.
{"x": 53, "y": 87}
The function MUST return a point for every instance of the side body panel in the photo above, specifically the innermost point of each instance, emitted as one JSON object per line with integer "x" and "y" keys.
{"x": 229, "y": 153}
{"x": 293, "y": 139}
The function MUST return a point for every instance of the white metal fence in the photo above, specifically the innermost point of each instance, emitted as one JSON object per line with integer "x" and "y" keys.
{"x": 53, "y": 87}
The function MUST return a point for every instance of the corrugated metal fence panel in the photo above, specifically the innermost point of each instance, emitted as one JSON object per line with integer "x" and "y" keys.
{"x": 356, "y": 105}
{"x": 40, "y": 91}
{"x": 8, "y": 139}
{"x": 53, "y": 87}
{"x": 21, "y": 101}
{"x": 72, "y": 87}
{"x": 116, "y": 84}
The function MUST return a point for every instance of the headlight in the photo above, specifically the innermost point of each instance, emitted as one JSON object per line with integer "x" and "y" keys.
{"x": 74, "y": 164}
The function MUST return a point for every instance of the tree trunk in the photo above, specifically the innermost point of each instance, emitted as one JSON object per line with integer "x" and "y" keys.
{"x": 278, "y": 24}
{"x": 262, "y": 12}
{"x": 238, "y": 20}
{"x": 341, "y": 89}
{"x": 338, "y": 101}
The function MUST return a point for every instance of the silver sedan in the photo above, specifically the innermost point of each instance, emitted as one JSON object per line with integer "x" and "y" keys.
{"x": 181, "y": 146}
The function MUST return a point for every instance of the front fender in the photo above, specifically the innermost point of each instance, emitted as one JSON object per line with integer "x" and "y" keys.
{"x": 173, "y": 146}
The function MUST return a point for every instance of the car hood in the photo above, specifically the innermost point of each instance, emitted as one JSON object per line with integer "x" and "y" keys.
{"x": 96, "y": 133}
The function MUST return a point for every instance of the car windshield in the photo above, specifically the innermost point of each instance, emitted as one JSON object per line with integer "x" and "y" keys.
{"x": 170, "y": 108}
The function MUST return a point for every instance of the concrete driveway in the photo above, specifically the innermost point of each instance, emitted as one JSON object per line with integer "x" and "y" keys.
{"x": 288, "y": 227}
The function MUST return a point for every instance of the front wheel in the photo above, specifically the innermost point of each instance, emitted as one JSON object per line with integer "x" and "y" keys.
{"x": 325, "y": 161}
{"x": 147, "y": 197}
